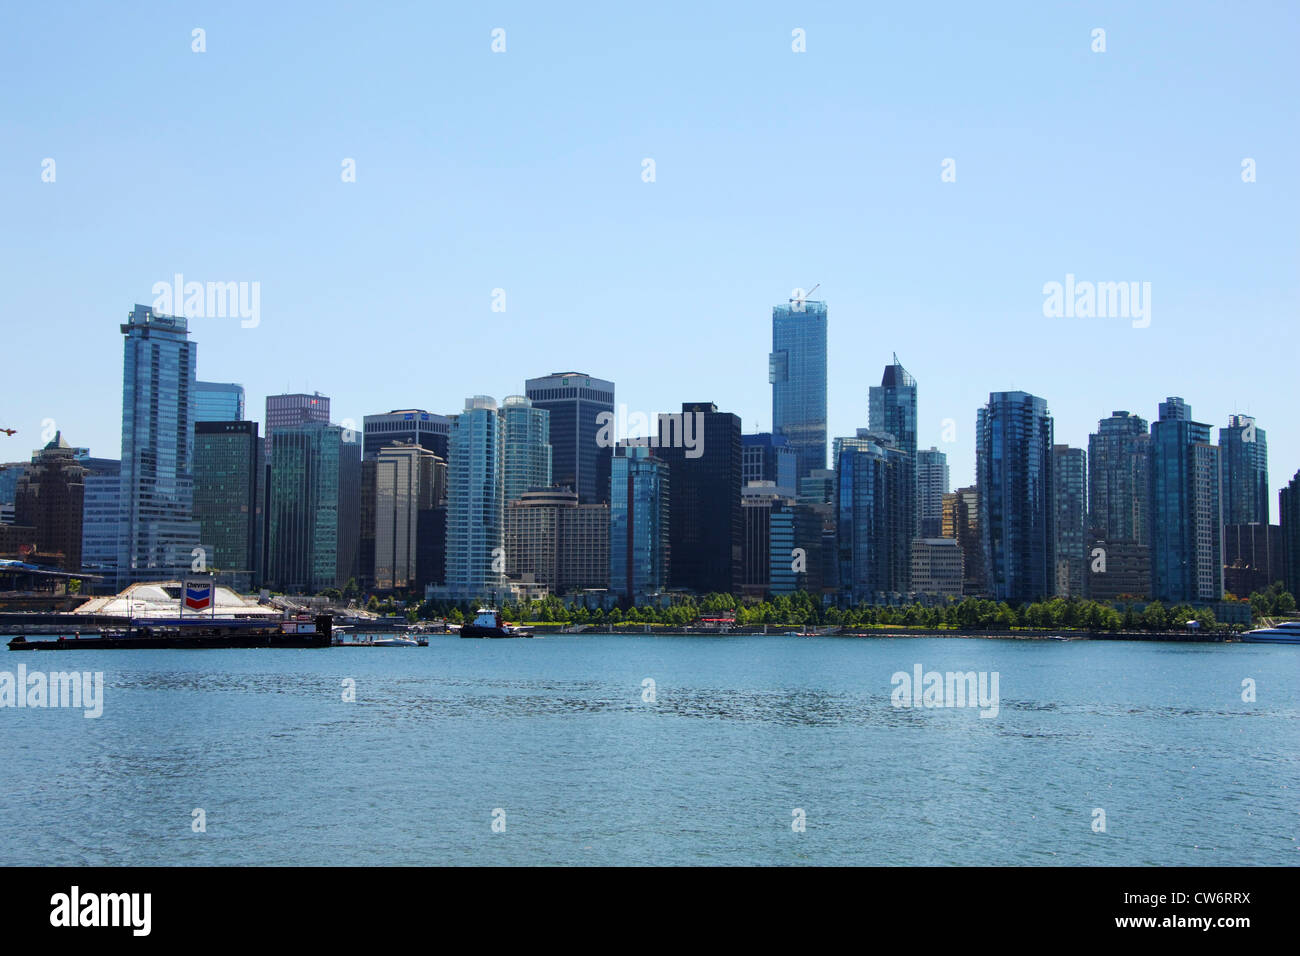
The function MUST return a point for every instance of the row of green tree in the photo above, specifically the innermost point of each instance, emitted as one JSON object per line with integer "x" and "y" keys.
{"x": 804, "y": 610}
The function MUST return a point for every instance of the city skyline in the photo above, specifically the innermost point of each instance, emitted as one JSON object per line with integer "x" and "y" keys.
{"x": 595, "y": 264}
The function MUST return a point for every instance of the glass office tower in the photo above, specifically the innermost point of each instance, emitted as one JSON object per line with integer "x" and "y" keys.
{"x": 931, "y": 486}
{"x": 639, "y": 550}
{"x": 1070, "y": 478}
{"x": 228, "y": 497}
{"x": 304, "y": 510}
{"x": 1014, "y": 475}
{"x": 796, "y": 368}
{"x": 576, "y": 401}
{"x": 218, "y": 402}
{"x": 157, "y": 532}
{"x": 891, "y": 410}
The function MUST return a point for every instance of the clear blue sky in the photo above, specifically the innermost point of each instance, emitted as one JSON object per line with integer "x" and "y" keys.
{"x": 522, "y": 171}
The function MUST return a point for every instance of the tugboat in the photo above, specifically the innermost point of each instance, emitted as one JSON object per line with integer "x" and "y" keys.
{"x": 488, "y": 623}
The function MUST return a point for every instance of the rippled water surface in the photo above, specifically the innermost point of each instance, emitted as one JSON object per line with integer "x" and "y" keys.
{"x": 743, "y": 731}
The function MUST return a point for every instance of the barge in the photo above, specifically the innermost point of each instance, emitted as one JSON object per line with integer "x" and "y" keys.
{"x": 196, "y": 634}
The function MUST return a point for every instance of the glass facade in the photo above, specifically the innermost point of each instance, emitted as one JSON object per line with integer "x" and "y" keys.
{"x": 1243, "y": 450}
{"x": 1186, "y": 529}
{"x": 891, "y": 410}
{"x": 227, "y": 496}
{"x": 873, "y": 501}
{"x": 707, "y": 529}
{"x": 404, "y": 477}
{"x": 218, "y": 402}
{"x": 412, "y": 425}
{"x": 1017, "y": 520}
{"x": 100, "y": 514}
{"x": 639, "y": 542}
{"x": 157, "y": 532}
{"x": 476, "y": 562}
{"x": 527, "y": 451}
{"x": 1288, "y": 506}
{"x": 575, "y": 401}
{"x": 769, "y": 457}
{"x": 796, "y": 369}
{"x": 304, "y": 508}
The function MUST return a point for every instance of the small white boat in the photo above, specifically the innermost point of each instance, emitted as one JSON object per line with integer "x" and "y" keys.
{"x": 394, "y": 640}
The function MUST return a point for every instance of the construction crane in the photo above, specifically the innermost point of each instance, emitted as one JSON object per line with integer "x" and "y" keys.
{"x": 800, "y": 300}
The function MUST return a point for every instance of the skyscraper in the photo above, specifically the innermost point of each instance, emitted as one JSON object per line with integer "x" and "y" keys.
{"x": 1070, "y": 480}
{"x": 932, "y": 485}
{"x": 405, "y": 480}
{"x": 576, "y": 402}
{"x": 1014, "y": 473}
{"x": 101, "y": 513}
{"x": 875, "y": 500}
{"x": 292, "y": 410}
{"x": 1288, "y": 506}
{"x": 476, "y": 560}
{"x": 707, "y": 530}
{"x": 769, "y": 457}
{"x": 304, "y": 528}
{"x": 408, "y": 425}
{"x": 891, "y": 410}
{"x": 158, "y": 535}
{"x": 526, "y": 458}
{"x": 1186, "y": 527}
{"x": 1243, "y": 453}
{"x": 639, "y": 534}
{"x": 228, "y": 496}
{"x": 218, "y": 402}
{"x": 796, "y": 369}
{"x": 1119, "y": 506}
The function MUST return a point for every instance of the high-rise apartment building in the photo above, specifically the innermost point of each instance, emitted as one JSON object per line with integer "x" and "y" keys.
{"x": 1014, "y": 469}
{"x": 875, "y": 501}
{"x": 1186, "y": 523}
{"x": 1288, "y": 506}
{"x": 961, "y": 521}
{"x": 1070, "y": 495}
{"x": 931, "y": 485}
{"x": 1243, "y": 456}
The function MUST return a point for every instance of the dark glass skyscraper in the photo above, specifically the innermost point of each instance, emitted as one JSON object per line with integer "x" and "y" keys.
{"x": 408, "y": 425}
{"x": 1288, "y": 506}
{"x": 1186, "y": 529}
{"x": 228, "y": 496}
{"x": 576, "y": 402}
{"x": 157, "y": 532}
{"x": 875, "y": 500}
{"x": 1014, "y": 473}
{"x": 707, "y": 531}
{"x": 891, "y": 410}
{"x": 1243, "y": 451}
{"x": 797, "y": 370}
{"x": 305, "y": 541}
